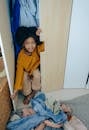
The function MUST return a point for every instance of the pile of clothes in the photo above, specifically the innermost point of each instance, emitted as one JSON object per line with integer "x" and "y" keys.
{"x": 42, "y": 113}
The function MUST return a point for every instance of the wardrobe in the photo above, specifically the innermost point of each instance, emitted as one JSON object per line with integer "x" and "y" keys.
{"x": 54, "y": 18}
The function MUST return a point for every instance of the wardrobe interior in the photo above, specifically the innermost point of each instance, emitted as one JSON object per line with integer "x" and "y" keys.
{"x": 54, "y": 22}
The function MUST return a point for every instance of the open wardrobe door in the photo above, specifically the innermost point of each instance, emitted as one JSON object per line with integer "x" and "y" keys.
{"x": 6, "y": 44}
{"x": 54, "y": 21}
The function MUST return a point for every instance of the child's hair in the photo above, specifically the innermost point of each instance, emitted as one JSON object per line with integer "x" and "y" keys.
{"x": 23, "y": 33}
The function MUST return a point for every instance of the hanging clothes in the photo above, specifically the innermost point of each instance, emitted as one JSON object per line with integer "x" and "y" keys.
{"x": 24, "y": 13}
{"x": 29, "y": 13}
{"x": 15, "y": 24}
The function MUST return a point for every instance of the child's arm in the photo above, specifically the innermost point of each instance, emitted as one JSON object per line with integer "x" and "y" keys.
{"x": 18, "y": 82}
{"x": 35, "y": 30}
{"x": 51, "y": 124}
{"x": 38, "y": 31}
{"x": 40, "y": 127}
{"x": 19, "y": 77}
{"x": 41, "y": 47}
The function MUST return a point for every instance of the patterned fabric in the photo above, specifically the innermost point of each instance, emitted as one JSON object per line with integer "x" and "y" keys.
{"x": 5, "y": 103}
{"x": 53, "y": 104}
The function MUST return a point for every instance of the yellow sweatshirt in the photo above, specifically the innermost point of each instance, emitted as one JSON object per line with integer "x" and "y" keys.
{"x": 27, "y": 63}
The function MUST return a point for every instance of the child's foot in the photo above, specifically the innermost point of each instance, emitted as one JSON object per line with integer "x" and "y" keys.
{"x": 67, "y": 109}
{"x": 27, "y": 99}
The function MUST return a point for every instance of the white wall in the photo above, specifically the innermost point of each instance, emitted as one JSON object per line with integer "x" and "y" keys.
{"x": 54, "y": 21}
{"x": 77, "y": 65}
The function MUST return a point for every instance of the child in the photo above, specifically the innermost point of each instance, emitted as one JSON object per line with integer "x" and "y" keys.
{"x": 28, "y": 74}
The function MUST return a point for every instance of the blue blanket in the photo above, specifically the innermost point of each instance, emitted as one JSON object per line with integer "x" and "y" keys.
{"x": 42, "y": 113}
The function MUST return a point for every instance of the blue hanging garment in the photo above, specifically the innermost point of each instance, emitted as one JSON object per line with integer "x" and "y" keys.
{"x": 15, "y": 24}
{"x": 29, "y": 13}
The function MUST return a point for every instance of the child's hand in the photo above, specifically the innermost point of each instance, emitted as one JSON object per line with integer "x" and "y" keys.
{"x": 52, "y": 124}
{"x": 27, "y": 112}
{"x": 38, "y": 32}
{"x": 30, "y": 77}
{"x": 14, "y": 94}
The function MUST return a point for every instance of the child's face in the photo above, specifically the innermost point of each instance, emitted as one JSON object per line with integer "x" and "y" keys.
{"x": 30, "y": 44}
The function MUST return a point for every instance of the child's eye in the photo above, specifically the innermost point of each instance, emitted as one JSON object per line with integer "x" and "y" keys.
{"x": 33, "y": 43}
{"x": 26, "y": 43}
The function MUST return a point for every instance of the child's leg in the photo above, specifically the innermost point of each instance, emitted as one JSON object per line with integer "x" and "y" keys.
{"x": 26, "y": 84}
{"x": 40, "y": 127}
{"x": 36, "y": 82}
{"x": 31, "y": 86}
{"x": 28, "y": 97}
{"x": 26, "y": 87}
{"x": 36, "y": 85}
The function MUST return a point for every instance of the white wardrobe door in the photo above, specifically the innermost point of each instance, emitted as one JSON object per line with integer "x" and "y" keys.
{"x": 77, "y": 66}
{"x": 54, "y": 21}
{"x": 6, "y": 43}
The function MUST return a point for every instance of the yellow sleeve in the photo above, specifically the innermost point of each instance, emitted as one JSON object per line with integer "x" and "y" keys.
{"x": 19, "y": 77}
{"x": 41, "y": 47}
{"x": 19, "y": 74}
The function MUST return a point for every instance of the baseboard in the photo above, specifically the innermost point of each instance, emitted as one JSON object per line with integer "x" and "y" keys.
{"x": 67, "y": 94}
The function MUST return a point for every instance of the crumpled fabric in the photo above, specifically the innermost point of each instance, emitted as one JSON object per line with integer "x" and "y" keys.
{"x": 53, "y": 104}
{"x": 39, "y": 106}
{"x": 42, "y": 113}
{"x": 26, "y": 123}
